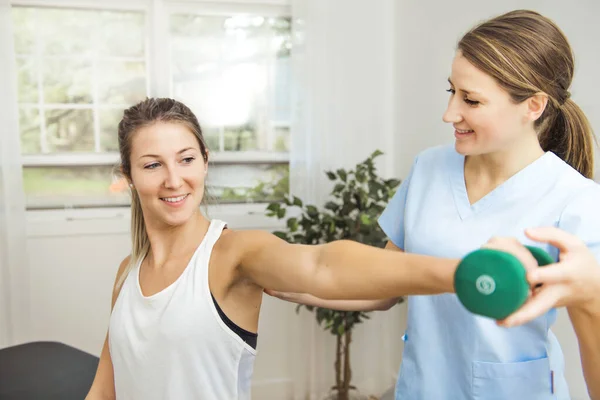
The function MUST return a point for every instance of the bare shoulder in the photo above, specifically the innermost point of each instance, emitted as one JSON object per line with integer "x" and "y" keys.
{"x": 123, "y": 265}
{"x": 120, "y": 278}
{"x": 244, "y": 241}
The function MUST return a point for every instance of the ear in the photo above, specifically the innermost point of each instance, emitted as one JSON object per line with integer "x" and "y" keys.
{"x": 536, "y": 105}
{"x": 127, "y": 179}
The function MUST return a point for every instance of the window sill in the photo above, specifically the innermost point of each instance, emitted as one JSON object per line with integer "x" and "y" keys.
{"x": 116, "y": 220}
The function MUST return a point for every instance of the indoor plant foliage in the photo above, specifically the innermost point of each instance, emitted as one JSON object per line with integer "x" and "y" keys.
{"x": 357, "y": 199}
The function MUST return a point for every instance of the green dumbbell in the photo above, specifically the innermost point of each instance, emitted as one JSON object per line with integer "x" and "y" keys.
{"x": 493, "y": 283}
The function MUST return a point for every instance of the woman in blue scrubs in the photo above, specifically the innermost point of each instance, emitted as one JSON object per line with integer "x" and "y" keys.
{"x": 522, "y": 158}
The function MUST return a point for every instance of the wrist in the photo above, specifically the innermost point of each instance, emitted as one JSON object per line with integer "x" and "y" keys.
{"x": 590, "y": 308}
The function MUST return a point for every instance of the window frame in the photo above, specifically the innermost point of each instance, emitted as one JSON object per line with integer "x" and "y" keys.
{"x": 157, "y": 59}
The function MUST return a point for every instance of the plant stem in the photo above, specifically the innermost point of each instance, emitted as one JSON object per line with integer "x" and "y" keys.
{"x": 347, "y": 370}
{"x": 338, "y": 366}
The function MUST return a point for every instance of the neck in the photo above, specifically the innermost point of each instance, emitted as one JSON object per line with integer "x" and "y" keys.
{"x": 175, "y": 241}
{"x": 495, "y": 168}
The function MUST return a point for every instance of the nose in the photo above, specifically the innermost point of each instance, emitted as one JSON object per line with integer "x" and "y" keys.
{"x": 452, "y": 114}
{"x": 173, "y": 179}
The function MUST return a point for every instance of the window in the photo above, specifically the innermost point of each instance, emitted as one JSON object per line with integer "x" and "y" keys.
{"x": 78, "y": 69}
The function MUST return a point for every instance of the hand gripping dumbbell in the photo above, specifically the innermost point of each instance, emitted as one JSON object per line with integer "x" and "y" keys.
{"x": 493, "y": 283}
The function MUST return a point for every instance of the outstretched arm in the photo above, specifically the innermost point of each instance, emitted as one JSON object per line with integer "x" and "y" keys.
{"x": 341, "y": 305}
{"x": 339, "y": 270}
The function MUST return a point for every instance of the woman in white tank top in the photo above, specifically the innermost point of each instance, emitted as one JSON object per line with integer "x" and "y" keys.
{"x": 186, "y": 301}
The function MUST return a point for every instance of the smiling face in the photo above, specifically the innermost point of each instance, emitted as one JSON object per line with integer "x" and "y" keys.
{"x": 168, "y": 171}
{"x": 485, "y": 118}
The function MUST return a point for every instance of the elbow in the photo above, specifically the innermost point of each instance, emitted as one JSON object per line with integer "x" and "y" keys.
{"x": 386, "y": 304}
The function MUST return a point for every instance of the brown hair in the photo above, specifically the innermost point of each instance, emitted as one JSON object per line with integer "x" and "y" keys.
{"x": 528, "y": 54}
{"x": 146, "y": 113}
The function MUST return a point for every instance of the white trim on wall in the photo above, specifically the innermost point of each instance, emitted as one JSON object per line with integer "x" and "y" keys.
{"x": 116, "y": 220}
{"x": 92, "y": 4}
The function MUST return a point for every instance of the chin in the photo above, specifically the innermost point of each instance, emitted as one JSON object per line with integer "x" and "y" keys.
{"x": 176, "y": 218}
{"x": 463, "y": 148}
{"x": 468, "y": 148}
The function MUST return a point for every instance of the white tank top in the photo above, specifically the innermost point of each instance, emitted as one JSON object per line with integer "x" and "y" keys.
{"x": 173, "y": 344}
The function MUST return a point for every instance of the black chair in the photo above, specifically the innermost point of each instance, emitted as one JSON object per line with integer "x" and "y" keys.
{"x": 45, "y": 371}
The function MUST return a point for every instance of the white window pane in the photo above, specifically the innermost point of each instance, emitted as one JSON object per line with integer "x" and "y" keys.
{"x": 211, "y": 137}
{"x": 29, "y": 125}
{"x": 66, "y": 31}
{"x": 59, "y": 187}
{"x": 121, "y": 34}
{"x": 27, "y": 80}
{"x": 24, "y": 29}
{"x": 248, "y": 183}
{"x": 227, "y": 70}
{"x": 81, "y": 67}
{"x": 70, "y": 130}
{"x": 67, "y": 80}
{"x": 121, "y": 82}
{"x": 282, "y": 138}
{"x": 109, "y": 126}
{"x": 240, "y": 138}
{"x": 282, "y": 100}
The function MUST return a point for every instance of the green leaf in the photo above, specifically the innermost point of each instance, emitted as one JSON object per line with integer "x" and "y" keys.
{"x": 281, "y": 213}
{"x": 312, "y": 211}
{"x": 330, "y": 175}
{"x": 392, "y": 183}
{"x": 297, "y": 202}
{"x": 338, "y": 188}
{"x": 292, "y": 224}
{"x": 376, "y": 154}
{"x": 274, "y": 207}
{"x": 342, "y": 174}
{"x": 281, "y": 235}
{"x": 365, "y": 219}
{"x": 330, "y": 205}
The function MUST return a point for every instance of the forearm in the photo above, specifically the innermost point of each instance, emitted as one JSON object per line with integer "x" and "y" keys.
{"x": 586, "y": 324}
{"x": 339, "y": 305}
{"x": 350, "y": 270}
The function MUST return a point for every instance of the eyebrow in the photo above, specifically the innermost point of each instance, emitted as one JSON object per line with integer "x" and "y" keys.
{"x": 157, "y": 156}
{"x": 464, "y": 90}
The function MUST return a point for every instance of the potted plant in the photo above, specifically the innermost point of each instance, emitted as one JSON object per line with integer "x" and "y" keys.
{"x": 358, "y": 198}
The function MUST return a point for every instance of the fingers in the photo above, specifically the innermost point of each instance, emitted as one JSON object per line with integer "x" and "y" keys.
{"x": 558, "y": 238}
{"x": 514, "y": 247}
{"x": 556, "y": 273}
{"x": 544, "y": 300}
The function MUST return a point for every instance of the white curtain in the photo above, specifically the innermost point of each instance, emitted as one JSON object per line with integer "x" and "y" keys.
{"x": 14, "y": 309}
{"x": 343, "y": 63}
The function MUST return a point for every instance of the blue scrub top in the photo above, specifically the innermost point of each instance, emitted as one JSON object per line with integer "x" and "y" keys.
{"x": 450, "y": 353}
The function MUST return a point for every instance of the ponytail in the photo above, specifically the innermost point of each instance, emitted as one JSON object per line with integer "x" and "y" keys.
{"x": 139, "y": 237}
{"x": 569, "y": 135}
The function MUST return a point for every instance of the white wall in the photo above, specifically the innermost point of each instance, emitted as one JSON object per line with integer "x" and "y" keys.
{"x": 427, "y": 34}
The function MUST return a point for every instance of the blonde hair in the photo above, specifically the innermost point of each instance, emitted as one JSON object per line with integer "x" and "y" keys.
{"x": 145, "y": 113}
{"x": 527, "y": 54}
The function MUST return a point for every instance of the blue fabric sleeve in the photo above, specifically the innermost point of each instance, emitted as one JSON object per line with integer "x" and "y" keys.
{"x": 582, "y": 218}
{"x": 391, "y": 220}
